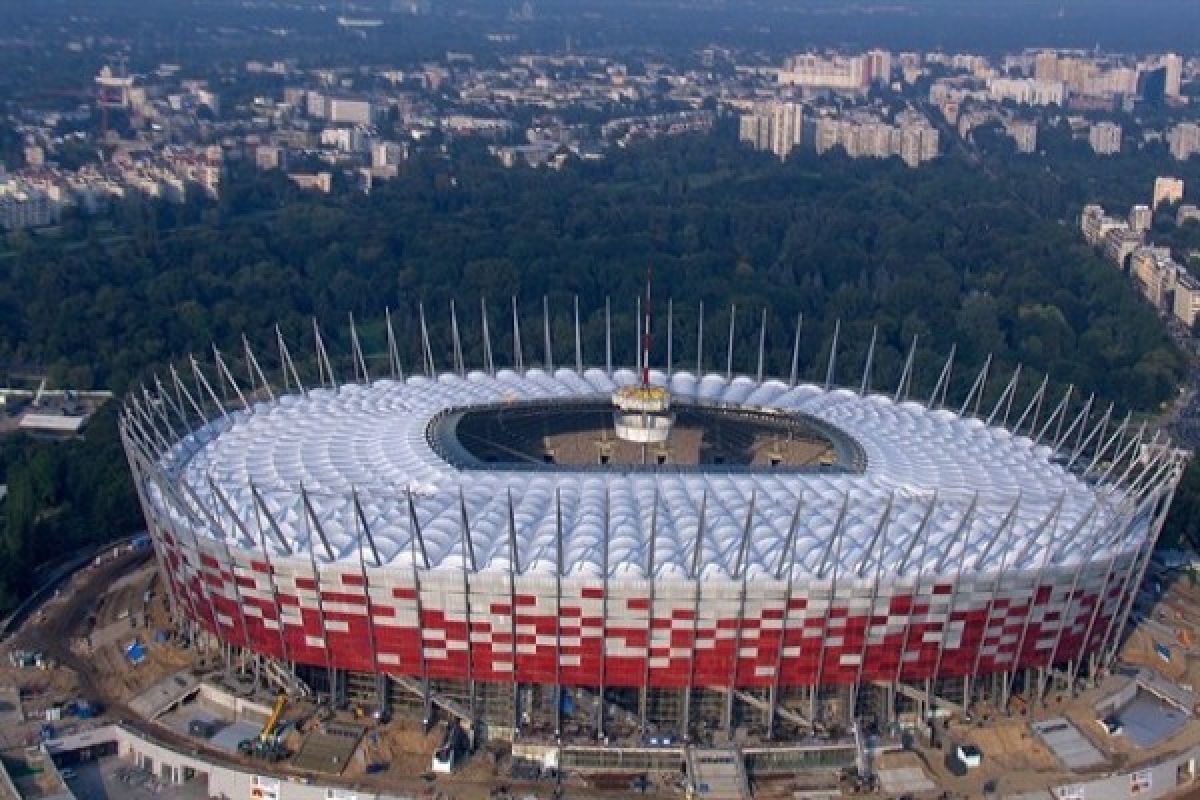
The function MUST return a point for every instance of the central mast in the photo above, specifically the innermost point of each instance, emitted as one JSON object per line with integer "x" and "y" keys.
{"x": 643, "y": 412}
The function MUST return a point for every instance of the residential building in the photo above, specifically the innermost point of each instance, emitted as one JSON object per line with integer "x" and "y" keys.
{"x": 776, "y": 126}
{"x": 1024, "y": 135}
{"x": 1105, "y": 138}
{"x": 1184, "y": 140}
{"x": 1174, "y": 66}
{"x": 1120, "y": 244}
{"x": 879, "y": 66}
{"x": 1167, "y": 190}
{"x": 351, "y": 112}
{"x": 1187, "y": 213}
{"x": 1186, "y": 303}
{"x": 1155, "y": 272}
{"x": 812, "y": 71}
{"x": 1140, "y": 218}
{"x": 1027, "y": 91}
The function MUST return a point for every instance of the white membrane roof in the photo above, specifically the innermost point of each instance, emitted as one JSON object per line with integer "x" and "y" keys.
{"x": 924, "y": 468}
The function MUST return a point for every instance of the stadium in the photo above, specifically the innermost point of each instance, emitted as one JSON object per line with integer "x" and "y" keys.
{"x": 621, "y": 553}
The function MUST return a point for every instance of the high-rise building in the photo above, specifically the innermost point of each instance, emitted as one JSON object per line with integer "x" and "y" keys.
{"x": 812, "y": 71}
{"x": 776, "y": 126}
{"x": 754, "y": 129}
{"x": 1167, "y": 190}
{"x": 787, "y": 127}
{"x": 353, "y": 112}
{"x": 1105, "y": 138}
{"x": 1155, "y": 272}
{"x": 1027, "y": 92}
{"x": 1024, "y": 135}
{"x": 1174, "y": 77}
{"x": 1184, "y": 140}
{"x": 1140, "y": 218}
{"x": 879, "y": 66}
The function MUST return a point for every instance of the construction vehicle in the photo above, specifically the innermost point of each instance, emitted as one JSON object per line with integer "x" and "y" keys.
{"x": 267, "y": 745}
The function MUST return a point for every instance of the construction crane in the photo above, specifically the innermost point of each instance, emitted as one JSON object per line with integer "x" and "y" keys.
{"x": 267, "y": 745}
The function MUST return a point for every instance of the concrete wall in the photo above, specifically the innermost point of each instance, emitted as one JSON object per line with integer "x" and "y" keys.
{"x": 238, "y": 706}
{"x": 171, "y": 765}
{"x": 1151, "y": 782}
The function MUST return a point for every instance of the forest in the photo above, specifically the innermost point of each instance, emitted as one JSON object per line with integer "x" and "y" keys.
{"x": 987, "y": 260}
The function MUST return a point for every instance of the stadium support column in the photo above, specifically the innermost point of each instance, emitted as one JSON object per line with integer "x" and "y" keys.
{"x": 785, "y": 566}
{"x": 324, "y": 365}
{"x": 155, "y": 539}
{"x": 460, "y": 367}
{"x": 831, "y": 367}
{"x": 833, "y": 555}
{"x": 227, "y": 378}
{"x": 518, "y": 355}
{"x": 426, "y": 347}
{"x": 420, "y": 560}
{"x": 548, "y": 346}
{"x": 1094, "y": 546}
{"x": 795, "y": 372}
{"x": 469, "y": 567}
{"x": 310, "y": 523}
{"x": 364, "y": 534}
{"x": 237, "y": 590}
{"x": 700, "y": 344}
{"x": 739, "y": 571}
{"x": 905, "y": 383}
{"x": 356, "y": 352}
{"x": 963, "y": 532}
{"x": 393, "y": 347}
{"x": 578, "y": 341}
{"x": 729, "y": 348}
{"x": 514, "y": 569}
{"x": 938, "y": 397}
{"x": 865, "y": 385}
{"x": 643, "y": 695}
{"x": 1050, "y": 523}
{"x": 923, "y": 536}
{"x": 604, "y": 614}
{"x": 489, "y": 359}
{"x": 762, "y": 346}
{"x": 1102, "y": 595}
{"x": 258, "y": 381}
{"x": 558, "y": 574}
{"x": 259, "y": 508}
{"x": 1008, "y": 530}
{"x": 1006, "y": 397}
{"x": 608, "y": 361}
{"x": 879, "y": 538}
{"x": 697, "y": 555}
{"x": 1131, "y": 589}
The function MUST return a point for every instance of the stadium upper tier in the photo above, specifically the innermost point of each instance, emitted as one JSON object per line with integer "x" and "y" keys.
{"x": 920, "y": 474}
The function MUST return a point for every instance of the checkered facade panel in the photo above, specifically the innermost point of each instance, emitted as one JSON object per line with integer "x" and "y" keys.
{"x": 580, "y": 632}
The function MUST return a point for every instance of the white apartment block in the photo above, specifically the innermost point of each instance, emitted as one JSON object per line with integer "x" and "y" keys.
{"x": 1105, "y": 138}
{"x": 1184, "y": 140}
{"x": 1027, "y": 91}
{"x": 811, "y": 71}
{"x": 1167, "y": 190}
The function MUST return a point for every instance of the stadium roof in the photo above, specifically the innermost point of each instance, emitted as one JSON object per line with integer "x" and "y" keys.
{"x": 926, "y": 471}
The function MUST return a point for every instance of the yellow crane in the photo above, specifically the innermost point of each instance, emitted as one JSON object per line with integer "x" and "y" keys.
{"x": 273, "y": 720}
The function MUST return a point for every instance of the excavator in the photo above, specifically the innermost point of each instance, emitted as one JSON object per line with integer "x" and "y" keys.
{"x": 267, "y": 745}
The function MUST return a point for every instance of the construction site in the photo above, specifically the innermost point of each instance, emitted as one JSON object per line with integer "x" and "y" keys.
{"x": 98, "y": 697}
{"x": 537, "y": 582}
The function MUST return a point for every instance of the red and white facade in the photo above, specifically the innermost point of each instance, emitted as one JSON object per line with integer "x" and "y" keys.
{"x": 323, "y": 527}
